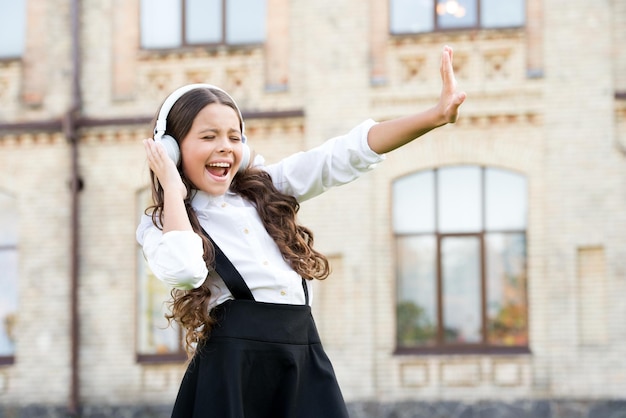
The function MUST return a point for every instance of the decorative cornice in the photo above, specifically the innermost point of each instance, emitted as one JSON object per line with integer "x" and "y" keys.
{"x": 121, "y": 129}
{"x": 56, "y": 125}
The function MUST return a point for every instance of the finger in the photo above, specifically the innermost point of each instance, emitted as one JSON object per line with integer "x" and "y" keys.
{"x": 446, "y": 67}
{"x": 153, "y": 155}
{"x": 147, "y": 148}
{"x": 151, "y": 150}
{"x": 442, "y": 64}
{"x": 460, "y": 98}
{"x": 155, "y": 149}
{"x": 455, "y": 106}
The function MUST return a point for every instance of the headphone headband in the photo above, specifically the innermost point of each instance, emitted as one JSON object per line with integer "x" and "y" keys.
{"x": 161, "y": 123}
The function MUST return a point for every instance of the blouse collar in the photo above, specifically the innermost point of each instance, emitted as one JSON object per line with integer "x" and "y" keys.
{"x": 202, "y": 200}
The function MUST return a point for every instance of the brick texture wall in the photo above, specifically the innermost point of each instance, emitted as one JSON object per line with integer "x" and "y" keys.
{"x": 541, "y": 102}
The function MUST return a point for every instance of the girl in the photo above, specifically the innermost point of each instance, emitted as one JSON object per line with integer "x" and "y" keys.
{"x": 223, "y": 233}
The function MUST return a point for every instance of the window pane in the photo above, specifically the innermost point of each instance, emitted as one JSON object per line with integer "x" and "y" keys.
{"x": 411, "y": 16}
{"x": 505, "y": 200}
{"x": 8, "y": 220}
{"x": 8, "y": 301}
{"x": 203, "y": 21}
{"x": 155, "y": 336}
{"x": 459, "y": 198}
{"x": 414, "y": 203}
{"x": 245, "y": 21}
{"x": 8, "y": 273}
{"x": 499, "y": 13}
{"x": 456, "y": 13}
{"x": 506, "y": 289}
{"x": 12, "y": 28}
{"x": 416, "y": 291}
{"x": 161, "y": 22}
{"x": 460, "y": 268}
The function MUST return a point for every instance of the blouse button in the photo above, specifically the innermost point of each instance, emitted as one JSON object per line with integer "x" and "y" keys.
{"x": 283, "y": 293}
{"x": 224, "y": 204}
{"x": 245, "y": 230}
{"x": 265, "y": 263}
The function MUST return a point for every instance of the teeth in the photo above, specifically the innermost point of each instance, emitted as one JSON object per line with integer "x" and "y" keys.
{"x": 223, "y": 165}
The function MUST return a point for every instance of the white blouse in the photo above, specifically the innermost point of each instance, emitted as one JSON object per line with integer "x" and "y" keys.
{"x": 234, "y": 224}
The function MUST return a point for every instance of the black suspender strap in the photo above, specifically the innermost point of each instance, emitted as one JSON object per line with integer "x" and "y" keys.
{"x": 233, "y": 280}
{"x": 306, "y": 292}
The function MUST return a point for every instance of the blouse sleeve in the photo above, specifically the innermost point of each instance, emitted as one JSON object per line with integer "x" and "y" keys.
{"x": 175, "y": 258}
{"x": 337, "y": 161}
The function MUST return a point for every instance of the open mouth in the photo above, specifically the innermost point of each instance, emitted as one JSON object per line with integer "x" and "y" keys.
{"x": 219, "y": 169}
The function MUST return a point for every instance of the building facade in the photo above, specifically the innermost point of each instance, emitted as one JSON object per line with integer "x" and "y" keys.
{"x": 480, "y": 270}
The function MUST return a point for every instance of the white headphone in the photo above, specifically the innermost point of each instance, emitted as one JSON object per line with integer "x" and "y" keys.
{"x": 171, "y": 145}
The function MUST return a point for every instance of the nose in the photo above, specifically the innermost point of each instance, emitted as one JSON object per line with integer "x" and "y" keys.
{"x": 225, "y": 145}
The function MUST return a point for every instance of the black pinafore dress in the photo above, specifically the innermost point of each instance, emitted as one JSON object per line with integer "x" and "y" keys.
{"x": 262, "y": 360}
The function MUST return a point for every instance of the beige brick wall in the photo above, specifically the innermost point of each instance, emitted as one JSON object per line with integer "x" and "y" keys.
{"x": 35, "y": 170}
{"x": 583, "y": 191}
{"x": 561, "y": 131}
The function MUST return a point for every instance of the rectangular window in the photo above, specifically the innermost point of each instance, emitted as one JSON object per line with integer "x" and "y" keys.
{"x": 420, "y": 16}
{"x": 461, "y": 273}
{"x": 8, "y": 276}
{"x": 167, "y": 24}
{"x": 203, "y": 21}
{"x": 502, "y": 14}
{"x": 156, "y": 339}
{"x": 245, "y": 21}
{"x": 453, "y": 14}
{"x": 12, "y": 28}
{"x": 161, "y": 24}
{"x": 416, "y": 291}
{"x": 507, "y": 317}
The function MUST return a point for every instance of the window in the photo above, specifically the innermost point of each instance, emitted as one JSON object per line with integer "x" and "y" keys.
{"x": 156, "y": 339}
{"x": 12, "y": 28}
{"x": 418, "y": 16}
{"x": 175, "y": 23}
{"x": 460, "y": 237}
{"x": 8, "y": 276}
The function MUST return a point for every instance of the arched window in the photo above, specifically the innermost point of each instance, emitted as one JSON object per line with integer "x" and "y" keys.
{"x": 460, "y": 236}
{"x": 156, "y": 340}
{"x": 9, "y": 238}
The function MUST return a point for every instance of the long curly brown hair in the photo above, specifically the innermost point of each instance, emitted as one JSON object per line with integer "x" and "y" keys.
{"x": 278, "y": 212}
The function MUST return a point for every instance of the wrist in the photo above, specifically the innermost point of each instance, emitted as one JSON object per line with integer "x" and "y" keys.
{"x": 174, "y": 192}
{"x": 438, "y": 116}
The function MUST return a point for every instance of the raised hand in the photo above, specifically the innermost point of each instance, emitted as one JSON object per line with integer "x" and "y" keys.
{"x": 164, "y": 168}
{"x": 450, "y": 99}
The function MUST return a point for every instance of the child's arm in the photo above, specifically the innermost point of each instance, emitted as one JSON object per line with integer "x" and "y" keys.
{"x": 389, "y": 135}
{"x": 174, "y": 213}
{"x": 174, "y": 258}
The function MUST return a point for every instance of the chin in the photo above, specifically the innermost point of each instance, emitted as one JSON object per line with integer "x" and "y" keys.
{"x": 217, "y": 189}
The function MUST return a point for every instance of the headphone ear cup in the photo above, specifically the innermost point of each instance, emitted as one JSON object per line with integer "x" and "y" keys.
{"x": 245, "y": 157}
{"x": 171, "y": 147}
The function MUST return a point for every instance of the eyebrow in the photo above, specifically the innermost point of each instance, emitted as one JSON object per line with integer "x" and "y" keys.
{"x": 216, "y": 130}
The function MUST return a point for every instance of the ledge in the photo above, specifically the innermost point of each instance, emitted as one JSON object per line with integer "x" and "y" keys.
{"x": 88, "y": 122}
